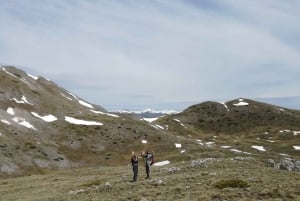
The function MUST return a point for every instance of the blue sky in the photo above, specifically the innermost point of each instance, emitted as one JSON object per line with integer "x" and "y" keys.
{"x": 129, "y": 54}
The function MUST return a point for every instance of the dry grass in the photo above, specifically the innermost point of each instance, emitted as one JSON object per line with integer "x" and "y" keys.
{"x": 187, "y": 182}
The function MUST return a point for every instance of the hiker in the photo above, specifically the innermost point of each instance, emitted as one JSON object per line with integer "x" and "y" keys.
{"x": 135, "y": 165}
{"x": 148, "y": 158}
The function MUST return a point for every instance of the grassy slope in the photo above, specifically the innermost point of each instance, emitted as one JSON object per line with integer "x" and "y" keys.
{"x": 111, "y": 143}
{"x": 187, "y": 183}
{"x": 60, "y": 144}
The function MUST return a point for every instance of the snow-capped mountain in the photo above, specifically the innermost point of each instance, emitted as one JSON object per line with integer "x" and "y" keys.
{"x": 147, "y": 113}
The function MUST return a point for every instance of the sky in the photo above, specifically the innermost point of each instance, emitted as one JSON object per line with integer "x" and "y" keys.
{"x": 128, "y": 54}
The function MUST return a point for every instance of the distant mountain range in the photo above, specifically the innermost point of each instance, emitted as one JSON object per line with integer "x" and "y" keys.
{"x": 292, "y": 102}
{"x": 147, "y": 113}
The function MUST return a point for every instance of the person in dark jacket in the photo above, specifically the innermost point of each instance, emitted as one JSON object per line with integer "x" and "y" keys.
{"x": 135, "y": 166}
{"x": 148, "y": 157}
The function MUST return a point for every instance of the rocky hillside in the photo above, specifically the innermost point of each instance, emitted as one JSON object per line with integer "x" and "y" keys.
{"x": 43, "y": 126}
{"x": 241, "y": 126}
{"x": 240, "y": 115}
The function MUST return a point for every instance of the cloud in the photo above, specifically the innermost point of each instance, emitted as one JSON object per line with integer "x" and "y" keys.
{"x": 105, "y": 51}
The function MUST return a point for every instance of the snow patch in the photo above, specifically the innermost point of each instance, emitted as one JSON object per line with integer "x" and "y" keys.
{"x": 285, "y": 131}
{"x": 4, "y": 69}
{"x": 238, "y": 151}
{"x": 66, "y": 96}
{"x": 81, "y": 122}
{"x": 23, "y": 122}
{"x": 159, "y": 126}
{"x": 225, "y": 147}
{"x": 108, "y": 114}
{"x": 180, "y": 123}
{"x": 5, "y": 122}
{"x": 22, "y": 101}
{"x": 144, "y": 141}
{"x": 33, "y": 77}
{"x": 177, "y": 120}
{"x": 296, "y": 147}
{"x": 199, "y": 142}
{"x": 226, "y": 107}
{"x": 296, "y": 133}
{"x": 241, "y": 104}
{"x": 81, "y": 101}
{"x": 182, "y": 151}
{"x": 10, "y": 111}
{"x": 161, "y": 163}
{"x": 47, "y": 118}
{"x": 183, "y": 125}
{"x": 73, "y": 95}
{"x": 259, "y": 148}
{"x": 150, "y": 120}
{"x": 85, "y": 104}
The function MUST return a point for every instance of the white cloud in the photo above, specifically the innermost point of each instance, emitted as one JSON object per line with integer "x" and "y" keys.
{"x": 159, "y": 50}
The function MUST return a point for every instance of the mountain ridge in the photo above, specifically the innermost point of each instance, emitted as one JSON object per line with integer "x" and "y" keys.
{"x": 45, "y": 127}
{"x": 237, "y": 115}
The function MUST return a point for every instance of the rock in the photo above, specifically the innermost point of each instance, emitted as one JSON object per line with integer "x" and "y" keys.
{"x": 288, "y": 164}
{"x": 107, "y": 184}
{"x": 158, "y": 182}
{"x": 202, "y": 162}
{"x": 240, "y": 158}
{"x": 297, "y": 165}
{"x": 173, "y": 169}
{"x": 76, "y": 192}
{"x": 8, "y": 167}
{"x": 271, "y": 162}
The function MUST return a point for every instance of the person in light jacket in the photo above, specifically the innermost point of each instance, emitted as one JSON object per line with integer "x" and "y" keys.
{"x": 148, "y": 159}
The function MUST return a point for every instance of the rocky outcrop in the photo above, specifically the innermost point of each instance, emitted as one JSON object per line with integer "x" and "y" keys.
{"x": 286, "y": 164}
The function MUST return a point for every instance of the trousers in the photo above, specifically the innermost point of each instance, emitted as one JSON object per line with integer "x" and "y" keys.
{"x": 135, "y": 172}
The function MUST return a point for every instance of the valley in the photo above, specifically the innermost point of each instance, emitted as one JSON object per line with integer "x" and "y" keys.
{"x": 55, "y": 145}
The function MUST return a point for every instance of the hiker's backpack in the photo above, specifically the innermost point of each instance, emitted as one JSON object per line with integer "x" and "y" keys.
{"x": 152, "y": 159}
